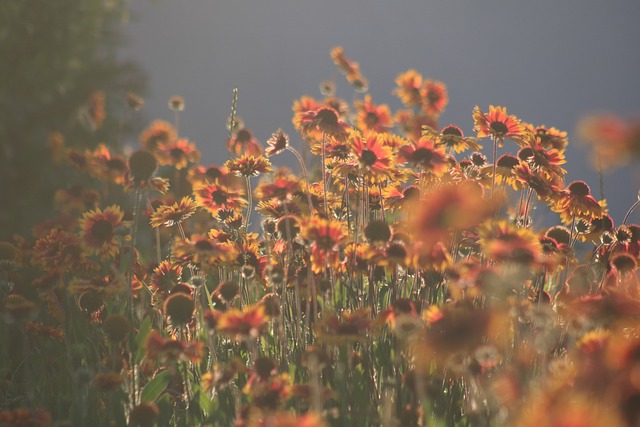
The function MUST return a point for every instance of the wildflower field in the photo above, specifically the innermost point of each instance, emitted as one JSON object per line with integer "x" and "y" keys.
{"x": 395, "y": 274}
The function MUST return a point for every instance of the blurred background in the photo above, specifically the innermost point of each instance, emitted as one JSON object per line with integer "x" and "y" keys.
{"x": 548, "y": 62}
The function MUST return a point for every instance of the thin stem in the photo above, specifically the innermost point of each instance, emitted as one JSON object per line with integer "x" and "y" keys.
{"x": 495, "y": 163}
{"x": 305, "y": 176}
{"x": 250, "y": 202}
{"x": 324, "y": 175}
{"x": 631, "y": 209}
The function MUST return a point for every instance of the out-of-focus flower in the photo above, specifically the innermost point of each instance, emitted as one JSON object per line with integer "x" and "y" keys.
{"x": 425, "y": 156}
{"x": 503, "y": 242}
{"x": 372, "y": 117}
{"x": 161, "y": 349}
{"x": 409, "y": 85}
{"x": 349, "y": 327}
{"x": 434, "y": 97}
{"x": 243, "y": 142}
{"x": 324, "y": 120}
{"x": 108, "y": 166}
{"x": 326, "y": 237}
{"x": 97, "y": 233}
{"x": 576, "y": 202}
{"x": 614, "y": 140}
{"x": 179, "y": 153}
{"x": 242, "y": 324}
{"x": 157, "y": 135}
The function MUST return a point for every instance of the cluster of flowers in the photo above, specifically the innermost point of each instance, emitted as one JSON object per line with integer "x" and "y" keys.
{"x": 399, "y": 283}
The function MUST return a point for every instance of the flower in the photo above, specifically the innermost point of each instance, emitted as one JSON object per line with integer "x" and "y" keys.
{"x": 107, "y": 166}
{"x": 176, "y": 103}
{"x": 614, "y": 140}
{"x": 371, "y": 117}
{"x": 451, "y": 137}
{"x": 248, "y": 323}
{"x": 248, "y": 165}
{"x": 142, "y": 165}
{"x": 160, "y": 349}
{"x": 215, "y": 197}
{"x": 497, "y": 124}
{"x": 278, "y": 142}
{"x": 170, "y": 215}
{"x": 502, "y": 242}
{"x": 97, "y": 233}
{"x": 434, "y": 97}
{"x": 374, "y": 158}
{"x": 425, "y": 156}
{"x": 409, "y": 85}
{"x": 179, "y": 153}
{"x": 349, "y": 327}
{"x": 325, "y": 120}
{"x": 576, "y": 202}
{"x": 157, "y": 135}
{"x": 326, "y": 236}
{"x": 179, "y": 308}
{"x": 243, "y": 142}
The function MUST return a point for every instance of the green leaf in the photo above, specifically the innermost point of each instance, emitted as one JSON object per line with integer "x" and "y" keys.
{"x": 156, "y": 386}
{"x": 143, "y": 332}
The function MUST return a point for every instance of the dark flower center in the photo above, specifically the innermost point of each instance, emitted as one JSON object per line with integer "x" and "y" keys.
{"x": 422, "y": 155}
{"x": 176, "y": 153}
{"x": 371, "y": 119}
{"x": 433, "y": 96}
{"x": 219, "y": 197}
{"x": 507, "y": 161}
{"x": 368, "y": 157}
{"x": 452, "y": 130}
{"x": 102, "y": 230}
{"x": 327, "y": 117}
{"x": 243, "y": 135}
{"x": 116, "y": 164}
{"x": 579, "y": 188}
{"x": 203, "y": 245}
{"x": 499, "y": 128}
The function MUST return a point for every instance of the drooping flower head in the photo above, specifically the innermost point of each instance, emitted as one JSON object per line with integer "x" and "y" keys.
{"x": 243, "y": 142}
{"x": 451, "y": 137}
{"x": 324, "y": 120}
{"x": 170, "y": 215}
{"x": 278, "y": 142}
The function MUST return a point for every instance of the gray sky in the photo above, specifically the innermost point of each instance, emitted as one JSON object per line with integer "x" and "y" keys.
{"x": 548, "y": 61}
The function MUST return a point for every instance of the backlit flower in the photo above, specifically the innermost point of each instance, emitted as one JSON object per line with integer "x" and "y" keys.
{"x": 434, "y": 97}
{"x": 497, "y": 124}
{"x": 425, "y": 156}
{"x": 451, "y": 137}
{"x": 214, "y": 197}
{"x": 108, "y": 166}
{"x": 372, "y": 117}
{"x": 170, "y": 215}
{"x": 248, "y": 165}
{"x": 247, "y": 323}
{"x": 179, "y": 153}
{"x": 97, "y": 231}
{"x": 503, "y": 242}
{"x": 157, "y": 135}
{"x": 409, "y": 85}
{"x": 278, "y": 142}
{"x": 325, "y": 120}
{"x": 326, "y": 237}
{"x": 243, "y": 142}
{"x": 374, "y": 158}
{"x": 576, "y": 202}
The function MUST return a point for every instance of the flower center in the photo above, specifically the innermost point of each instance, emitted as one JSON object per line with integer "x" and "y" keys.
{"x": 422, "y": 155}
{"x": 203, "y": 245}
{"x": 219, "y": 197}
{"x": 452, "y": 130}
{"x": 579, "y": 188}
{"x": 371, "y": 119}
{"x": 243, "y": 136}
{"x": 499, "y": 128}
{"x": 102, "y": 230}
{"x": 368, "y": 157}
{"x": 327, "y": 117}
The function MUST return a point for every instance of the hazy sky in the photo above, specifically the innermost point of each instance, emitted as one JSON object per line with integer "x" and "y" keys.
{"x": 548, "y": 61}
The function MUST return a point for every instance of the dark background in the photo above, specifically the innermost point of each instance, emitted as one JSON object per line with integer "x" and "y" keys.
{"x": 548, "y": 61}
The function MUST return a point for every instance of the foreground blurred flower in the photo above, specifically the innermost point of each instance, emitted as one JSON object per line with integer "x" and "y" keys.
{"x": 97, "y": 231}
{"x": 614, "y": 140}
{"x": 351, "y": 326}
{"x": 159, "y": 349}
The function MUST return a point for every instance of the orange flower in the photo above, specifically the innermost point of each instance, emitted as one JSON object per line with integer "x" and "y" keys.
{"x": 409, "y": 86}
{"x": 325, "y": 120}
{"x": 326, "y": 237}
{"x": 60, "y": 250}
{"x": 278, "y": 142}
{"x": 161, "y": 349}
{"x": 108, "y": 166}
{"x": 374, "y": 158}
{"x": 248, "y": 323}
{"x": 451, "y": 137}
{"x": 434, "y": 97}
{"x": 425, "y": 156}
{"x": 157, "y": 135}
{"x": 203, "y": 251}
{"x": 547, "y": 161}
{"x": 214, "y": 197}
{"x": 548, "y": 137}
{"x": 576, "y": 202}
{"x": 497, "y": 124}
{"x": 248, "y": 165}
{"x": 411, "y": 123}
{"x": 76, "y": 198}
{"x": 372, "y": 117}
{"x": 97, "y": 231}
{"x": 351, "y": 326}
{"x": 300, "y": 108}
{"x": 614, "y": 140}
{"x": 503, "y": 242}
{"x": 243, "y": 142}
{"x": 179, "y": 153}
{"x": 170, "y": 215}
